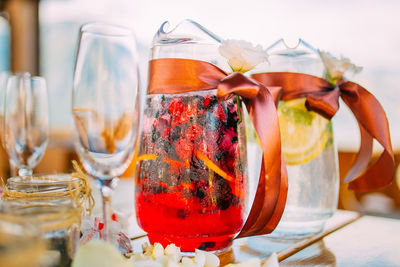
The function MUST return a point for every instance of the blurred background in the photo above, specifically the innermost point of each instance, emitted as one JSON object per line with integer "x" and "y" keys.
{"x": 40, "y": 36}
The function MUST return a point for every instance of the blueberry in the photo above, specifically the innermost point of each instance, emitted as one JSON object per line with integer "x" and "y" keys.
{"x": 234, "y": 139}
{"x": 200, "y": 193}
{"x": 231, "y": 121}
{"x": 206, "y": 245}
{"x": 223, "y": 193}
{"x": 223, "y": 204}
{"x": 213, "y": 103}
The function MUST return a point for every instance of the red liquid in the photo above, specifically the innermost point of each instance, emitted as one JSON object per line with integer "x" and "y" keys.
{"x": 191, "y": 191}
{"x": 189, "y": 226}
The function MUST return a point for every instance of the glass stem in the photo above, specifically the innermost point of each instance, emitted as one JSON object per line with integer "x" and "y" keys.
{"x": 106, "y": 189}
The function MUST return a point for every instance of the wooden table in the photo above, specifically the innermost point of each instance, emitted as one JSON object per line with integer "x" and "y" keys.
{"x": 368, "y": 241}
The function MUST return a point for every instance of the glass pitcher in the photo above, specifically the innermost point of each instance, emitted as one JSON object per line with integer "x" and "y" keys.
{"x": 191, "y": 182}
{"x": 308, "y": 148}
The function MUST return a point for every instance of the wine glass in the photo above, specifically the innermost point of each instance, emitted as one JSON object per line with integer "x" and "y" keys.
{"x": 25, "y": 121}
{"x": 105, "y": 106}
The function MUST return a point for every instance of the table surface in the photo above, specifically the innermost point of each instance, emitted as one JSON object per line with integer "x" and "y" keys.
{"x": 368, "y": 241}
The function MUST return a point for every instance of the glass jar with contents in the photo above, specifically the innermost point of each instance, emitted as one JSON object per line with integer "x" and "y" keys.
{"x": 49, "y": 203}
{"x": 58, "y": 220}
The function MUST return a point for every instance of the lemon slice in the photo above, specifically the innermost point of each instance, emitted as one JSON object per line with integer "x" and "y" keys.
{"x": 304, "y": 134}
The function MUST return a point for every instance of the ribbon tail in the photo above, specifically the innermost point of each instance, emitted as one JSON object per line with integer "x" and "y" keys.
{"x": 373, "y": 124}
{"x": 377, "y": 176}
{"x": 363, "y": 156}
{"x": 281, "y": 202}
{"x": 271, "y": 193}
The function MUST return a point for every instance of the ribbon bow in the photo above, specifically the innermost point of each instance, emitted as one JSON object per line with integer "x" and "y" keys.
{"x": 173, "y": 75}
{"x": 323, "y": 98}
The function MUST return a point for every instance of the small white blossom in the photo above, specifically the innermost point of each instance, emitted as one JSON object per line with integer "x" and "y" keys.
{"x": 242, "y": 56}
{"x": 173, "y": 252}
{"x": 211, "y": 260}
{"x": 336, "y": 67}
{"x": 200, "y": 259}
{"x": 158, "y": 250}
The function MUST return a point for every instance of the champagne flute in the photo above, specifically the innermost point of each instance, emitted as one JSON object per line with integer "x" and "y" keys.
{"x": 105, "y": 106}
{"x": 25, "y": 121}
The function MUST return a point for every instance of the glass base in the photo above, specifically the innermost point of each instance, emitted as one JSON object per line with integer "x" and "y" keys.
{"x": 266, "y": 245}
{"x": 290, "y": 230}
{"x": 217, "y": 244}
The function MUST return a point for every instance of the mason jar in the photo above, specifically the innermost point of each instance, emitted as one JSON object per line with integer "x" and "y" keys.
{"x": 45, "y": 200}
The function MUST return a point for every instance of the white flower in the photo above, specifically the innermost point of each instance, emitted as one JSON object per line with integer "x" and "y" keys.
{"x": 173, "y": 252}
{"x": 242, "y": 56}
{"x": 210, "y": 259}
{"x": 336, "y": 67}
{"x": 158, "y": 250}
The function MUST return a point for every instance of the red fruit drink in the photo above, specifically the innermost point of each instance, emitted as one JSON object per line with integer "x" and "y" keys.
{"x": 191, "y": 184}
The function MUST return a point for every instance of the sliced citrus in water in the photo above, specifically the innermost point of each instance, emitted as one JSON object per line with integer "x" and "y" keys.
{"x": 304, "y": 134}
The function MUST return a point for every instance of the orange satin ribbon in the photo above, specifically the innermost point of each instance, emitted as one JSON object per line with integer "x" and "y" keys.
{"x": 323, "y": 97}
{"x": 173, "y": 76}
